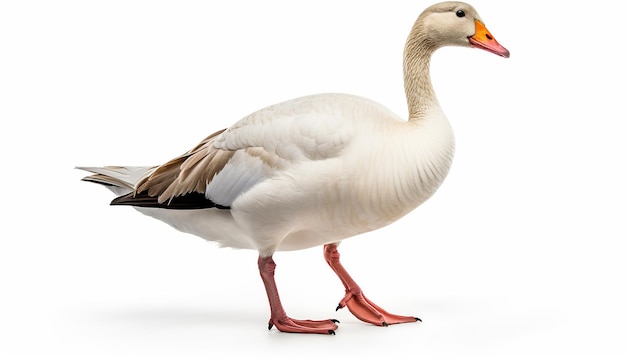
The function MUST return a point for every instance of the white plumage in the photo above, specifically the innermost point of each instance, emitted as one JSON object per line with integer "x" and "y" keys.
{"x": 314, "y": 170}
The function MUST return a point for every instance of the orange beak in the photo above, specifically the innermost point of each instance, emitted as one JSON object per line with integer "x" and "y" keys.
{"x": 484, "y": 40}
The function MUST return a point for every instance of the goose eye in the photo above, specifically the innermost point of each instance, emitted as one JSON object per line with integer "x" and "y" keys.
{"x": 460, "y": 13}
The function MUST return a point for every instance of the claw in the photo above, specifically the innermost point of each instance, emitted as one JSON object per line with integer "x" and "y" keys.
{"x": 331, "y": 332}
{"x": 385, "y": 324}
{"x": 269, "y": 326}
{"x": 335, "y": 320}
{"x": 417, "y": 319}
{"x": 338, "y": 308}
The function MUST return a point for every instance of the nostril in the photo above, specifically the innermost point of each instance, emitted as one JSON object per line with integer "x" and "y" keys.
{"x": 489, "y": 37}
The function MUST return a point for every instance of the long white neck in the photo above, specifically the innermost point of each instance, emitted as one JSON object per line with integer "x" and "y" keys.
{"x": 419, "y": 91}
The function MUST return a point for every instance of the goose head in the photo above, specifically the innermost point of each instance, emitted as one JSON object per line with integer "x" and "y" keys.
{"x": 448, "y": 23}
{"x": 458, "y": 24}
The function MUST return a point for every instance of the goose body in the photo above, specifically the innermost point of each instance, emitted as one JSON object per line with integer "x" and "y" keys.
{"x": 313, "y": 170}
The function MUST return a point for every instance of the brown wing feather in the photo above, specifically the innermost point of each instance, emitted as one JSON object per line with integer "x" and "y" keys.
{"x": 188, "y": 173}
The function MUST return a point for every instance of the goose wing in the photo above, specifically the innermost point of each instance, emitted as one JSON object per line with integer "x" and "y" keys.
{"x": 262, "y": 145}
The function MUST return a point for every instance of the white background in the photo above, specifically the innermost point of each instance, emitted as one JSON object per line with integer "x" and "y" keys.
{"x": 520, "y": 253}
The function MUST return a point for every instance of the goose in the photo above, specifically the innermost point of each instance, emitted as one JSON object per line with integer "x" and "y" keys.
{"x": 313, "y": 171}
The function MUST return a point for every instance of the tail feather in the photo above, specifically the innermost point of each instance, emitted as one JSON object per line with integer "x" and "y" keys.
{"x": 119, "y": 179}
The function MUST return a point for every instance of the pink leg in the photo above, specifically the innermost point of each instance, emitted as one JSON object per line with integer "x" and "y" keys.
{"x": 278, "y": 316}
{"x": 361, "y": 307}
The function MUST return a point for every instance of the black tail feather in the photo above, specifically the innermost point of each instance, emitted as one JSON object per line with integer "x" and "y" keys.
{"x": 190, "y": 201}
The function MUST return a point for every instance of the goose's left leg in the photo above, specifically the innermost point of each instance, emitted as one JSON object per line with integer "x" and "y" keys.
{"x": 360, "y": 306}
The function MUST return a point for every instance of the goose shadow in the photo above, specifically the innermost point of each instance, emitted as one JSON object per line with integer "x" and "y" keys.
{"x": 175, "y": 315}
